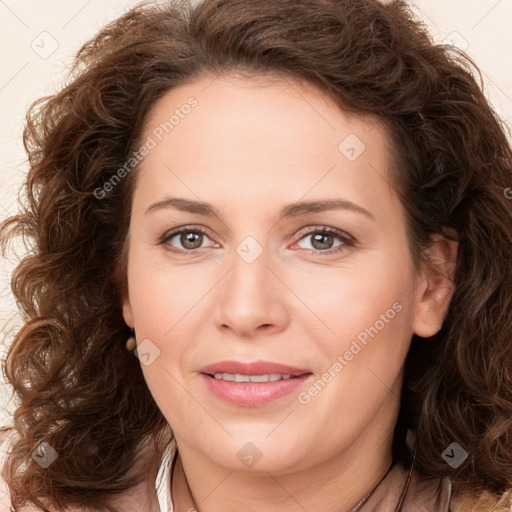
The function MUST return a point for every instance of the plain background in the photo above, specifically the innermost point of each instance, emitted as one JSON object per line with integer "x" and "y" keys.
{"x": 40, "y": 39}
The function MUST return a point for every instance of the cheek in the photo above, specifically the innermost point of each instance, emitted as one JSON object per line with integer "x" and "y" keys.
{"x": 162, "y": 299}
{"x": 365, "y": 320}
{"x": 171, "y": 306}
{"x": 347, "y": 300}
{"x": 161, "y": 296}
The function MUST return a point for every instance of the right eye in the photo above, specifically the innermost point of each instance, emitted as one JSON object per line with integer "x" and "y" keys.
{"x": 190, "y": 237}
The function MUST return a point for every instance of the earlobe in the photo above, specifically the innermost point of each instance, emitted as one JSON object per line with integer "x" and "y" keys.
{"x": 434, "y": 293}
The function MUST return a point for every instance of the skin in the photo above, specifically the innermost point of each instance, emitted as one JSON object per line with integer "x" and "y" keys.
{"x": 250, "y": 147}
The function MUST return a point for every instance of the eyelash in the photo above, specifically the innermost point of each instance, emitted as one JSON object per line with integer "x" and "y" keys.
{"x": 348, "y": 240}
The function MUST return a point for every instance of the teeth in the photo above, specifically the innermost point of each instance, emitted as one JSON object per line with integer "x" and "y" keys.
{"x": 236, "y": 377}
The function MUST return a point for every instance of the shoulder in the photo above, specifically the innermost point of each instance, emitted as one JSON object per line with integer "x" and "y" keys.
{"x": 485, "y": 502}
{"x": 443, "y": 495}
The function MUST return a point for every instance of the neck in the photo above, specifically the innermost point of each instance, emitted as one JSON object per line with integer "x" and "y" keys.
{"x": 338, "y": 484}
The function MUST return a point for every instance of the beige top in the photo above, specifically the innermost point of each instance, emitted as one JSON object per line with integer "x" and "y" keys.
{"x": 400, "y": 490}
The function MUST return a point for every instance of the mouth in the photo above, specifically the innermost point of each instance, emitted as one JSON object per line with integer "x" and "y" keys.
{"x": 252, "y": 384}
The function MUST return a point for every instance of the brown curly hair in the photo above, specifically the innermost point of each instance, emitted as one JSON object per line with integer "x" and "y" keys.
{"x": 79, "y": 389}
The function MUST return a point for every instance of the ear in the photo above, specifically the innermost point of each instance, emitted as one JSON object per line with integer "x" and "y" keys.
{"x": 127, "y": 310}
{"x": 121, "y": 280}
{"x": 124, "y": 297}
{"x": 436, "y": 287}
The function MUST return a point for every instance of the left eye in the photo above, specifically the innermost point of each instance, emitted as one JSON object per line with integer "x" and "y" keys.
{"x": 323, "y": 239}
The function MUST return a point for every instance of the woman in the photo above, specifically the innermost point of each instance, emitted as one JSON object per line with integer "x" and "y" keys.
{"x": 270, "y": 268}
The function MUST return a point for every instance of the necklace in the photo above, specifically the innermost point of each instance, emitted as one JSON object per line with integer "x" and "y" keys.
{"x": 367, "y": 497}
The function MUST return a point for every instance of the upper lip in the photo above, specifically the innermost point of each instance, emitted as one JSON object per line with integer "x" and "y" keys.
{"x": 254, "y": 368}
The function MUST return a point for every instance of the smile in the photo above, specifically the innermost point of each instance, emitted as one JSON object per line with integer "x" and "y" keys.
{"x": 237, "y": 377}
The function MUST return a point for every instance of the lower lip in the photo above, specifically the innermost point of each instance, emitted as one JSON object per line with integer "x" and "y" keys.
{"x": 253, "y": 394}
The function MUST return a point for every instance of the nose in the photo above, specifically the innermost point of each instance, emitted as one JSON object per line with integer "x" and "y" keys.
{"x": 251, "y": 299}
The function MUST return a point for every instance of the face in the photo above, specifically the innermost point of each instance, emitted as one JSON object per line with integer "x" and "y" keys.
{"x": 264, "y": 230}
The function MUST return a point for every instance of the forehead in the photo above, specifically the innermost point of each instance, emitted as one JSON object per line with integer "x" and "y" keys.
{"x": 233, "y": 105}
{"x": 261, "y": 133}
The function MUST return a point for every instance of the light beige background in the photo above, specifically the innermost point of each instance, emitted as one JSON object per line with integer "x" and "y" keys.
{"x": 40, "y": 38}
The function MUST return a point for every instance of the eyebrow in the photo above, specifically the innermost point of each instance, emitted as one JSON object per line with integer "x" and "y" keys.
{"x": 291, "y": 210}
